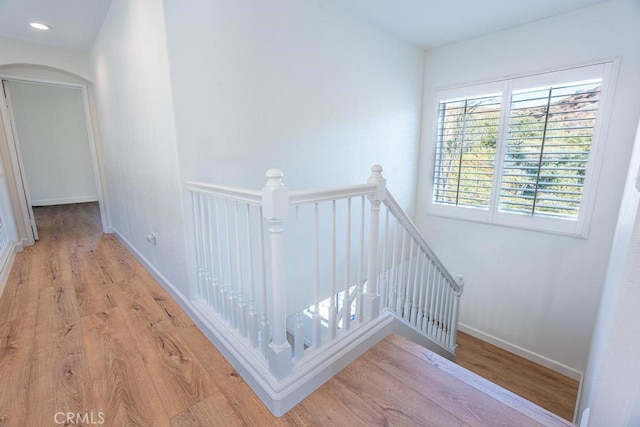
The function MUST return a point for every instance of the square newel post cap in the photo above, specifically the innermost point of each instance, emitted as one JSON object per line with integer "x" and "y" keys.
{"x": 275, "y": 196}
{"x": 377, "y": 178}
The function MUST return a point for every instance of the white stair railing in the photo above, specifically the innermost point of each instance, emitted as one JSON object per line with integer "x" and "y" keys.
{"x": 277, "y": 271}
{"x": 417, "y": 287}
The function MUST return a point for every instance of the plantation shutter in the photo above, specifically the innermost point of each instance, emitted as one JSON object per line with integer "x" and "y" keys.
{"x": 547, "y": 147}
{"x": 465, "y": 151}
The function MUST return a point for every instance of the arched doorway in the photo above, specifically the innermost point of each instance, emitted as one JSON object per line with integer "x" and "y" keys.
{"x": 63, "y": 91}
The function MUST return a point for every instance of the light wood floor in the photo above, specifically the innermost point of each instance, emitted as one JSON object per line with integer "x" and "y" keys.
{"x": 549, "y": 389}
{"x": 85, "y": 329}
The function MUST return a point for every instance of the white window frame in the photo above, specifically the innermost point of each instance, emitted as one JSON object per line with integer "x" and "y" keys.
{"x": 578, "y": 227}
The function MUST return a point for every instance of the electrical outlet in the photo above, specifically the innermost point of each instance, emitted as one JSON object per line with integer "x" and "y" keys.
{"x": 151, "y": 238}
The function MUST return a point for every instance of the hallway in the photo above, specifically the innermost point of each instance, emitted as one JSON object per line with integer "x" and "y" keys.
{"x": 84, "y": 329}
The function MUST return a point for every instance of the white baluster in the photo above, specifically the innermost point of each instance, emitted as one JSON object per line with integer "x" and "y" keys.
{"x": 241, "y": 307}
{"x": 253, "y": 316}
{"x": 401, "y": 268}
{"x": 424, "y": 310}
{"x": 213, "y": 254}
{"x": 206, "y": 225}
{"x": 433, "y": 304}
{"x": 394, "y": 270}
{"x": 406, "y": 310}
{"x": 275, "y": 202}
{"x": 384, "y": 270}
{"x": 346, "y": 301}
{"x": 316, "y": 321}
{"x": 230, "y": 304}
{"x": 299, "y": 327}
{"x": 222, "y": 291}
{"x": 195, "y": 199}
{"x": 441, "y": 288}
{"x": 361, "y": 278}
{"x": 333, "y": 291}
{"x": 265, "y": 326}
{"x": 416, "y": 287}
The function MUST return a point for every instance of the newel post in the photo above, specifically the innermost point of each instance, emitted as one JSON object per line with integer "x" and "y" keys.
{"x": 456, "y": 308}
{"x": 372, "y": 297}
{"x": 275, "y": 206}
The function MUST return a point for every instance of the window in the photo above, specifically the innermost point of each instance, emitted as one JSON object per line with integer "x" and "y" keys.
{"x": 467, "y": 134}
{"x": 520, "y": 152}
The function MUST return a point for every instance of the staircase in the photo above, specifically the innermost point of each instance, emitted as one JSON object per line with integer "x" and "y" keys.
{"x": 292, "y": 286}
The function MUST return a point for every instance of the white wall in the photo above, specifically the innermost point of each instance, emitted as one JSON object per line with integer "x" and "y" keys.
{"x": 611, "y": 389}
{"x": 538, "y": 293}
{"x": 293, "y": 84}
{"x": 20, "y": 52}
{"x": 54, "y": 143}
{"x": 134, "y": 110}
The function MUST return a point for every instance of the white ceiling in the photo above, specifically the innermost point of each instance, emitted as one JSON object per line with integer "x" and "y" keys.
{"x": 426, "y": 23}
{"x": 432, "y": 23}
{"x": 75, "y": 23}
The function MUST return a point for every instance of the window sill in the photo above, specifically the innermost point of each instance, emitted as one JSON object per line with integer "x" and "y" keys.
{"x": 568, "y": 228}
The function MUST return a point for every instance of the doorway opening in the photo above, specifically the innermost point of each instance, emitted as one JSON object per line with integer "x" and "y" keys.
{"x": 51, "y": 147}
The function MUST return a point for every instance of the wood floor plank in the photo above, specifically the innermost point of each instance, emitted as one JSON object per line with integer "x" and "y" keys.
{"x": 469, "y": 404}
{"x": 401, "y": 405}
{"x": 90, "y": 296}
{"x": 493, "y": 390}
{"x": 16, "y": 352}
{"x": 57, "y": 316}
{"x": 551, "y": 390}
{"x": 118, "y": 375}
{"x": 60, "y": 380}
{"x": 176, "y": 373}
{"x": 247, "y": 406}
{"x": 111, "y": 270}
{"x": 215, "y": 410}
{"x": 20, "y": 294}
{"x": 173, "y": 311}
{"x": 335, "y": 403}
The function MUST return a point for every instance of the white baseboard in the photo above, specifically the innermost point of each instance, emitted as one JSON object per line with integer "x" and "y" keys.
{"x": 178, "y": 296}
{"x": 6, "y": 262}
{"x": 64, "y": 201}
{"x": 523, "y": 352}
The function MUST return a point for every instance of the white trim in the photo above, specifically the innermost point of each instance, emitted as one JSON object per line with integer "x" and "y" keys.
{"x": 581, "y": 64}
{"x": 64, "y": 200}
{"x": 6, "y": 262}
{"x": 584, "y": 421}
{"x": 38, "y": 80}
{"x": 17, "y": 166}
{"x": 523, "y": 352}
{"x": 95, "y": 161}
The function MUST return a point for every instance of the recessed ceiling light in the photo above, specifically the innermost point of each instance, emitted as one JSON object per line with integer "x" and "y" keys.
{"x": 39, "y": 26}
